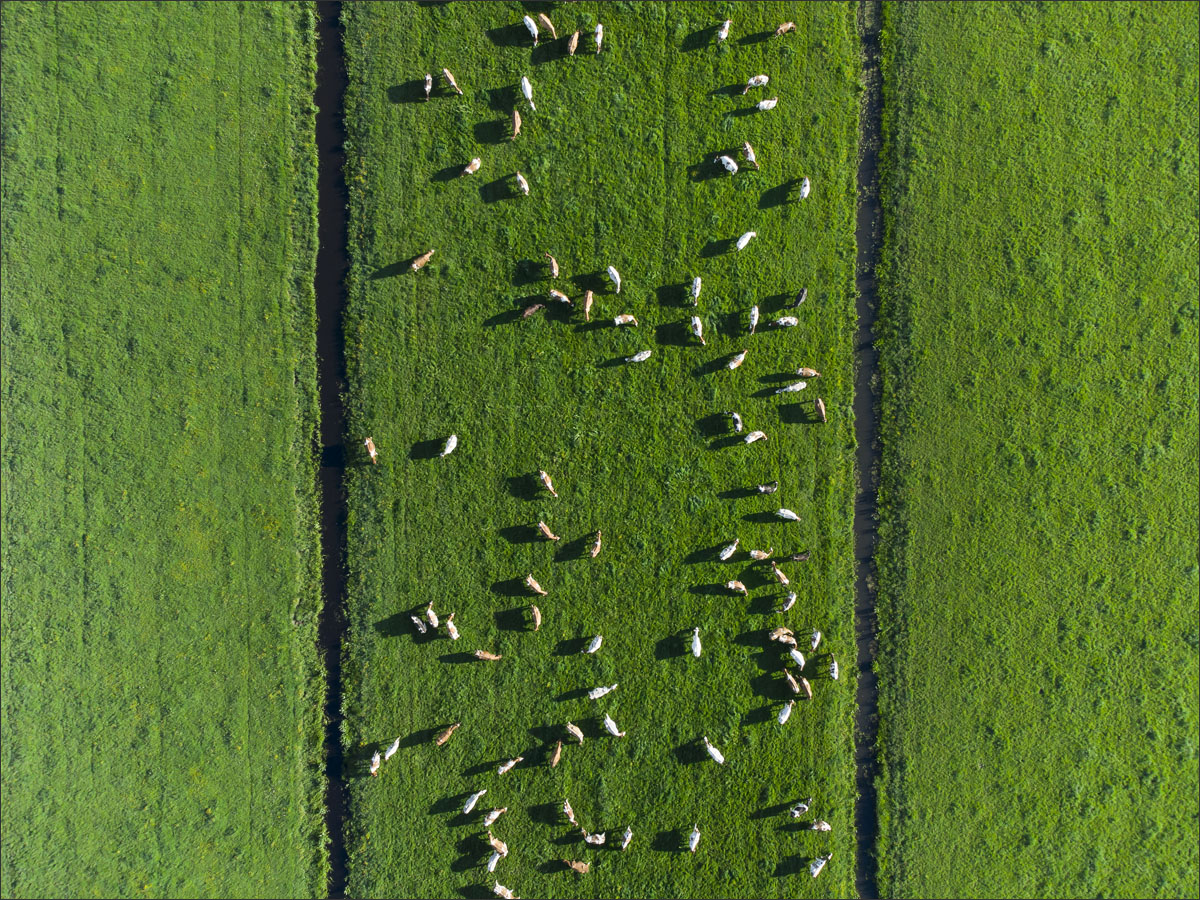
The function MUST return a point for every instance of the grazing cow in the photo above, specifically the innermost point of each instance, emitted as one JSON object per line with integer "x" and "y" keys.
{"x": 728, "y": 550}
{"x": 745, "y": 239}
{"x": 792, "y": 388}
{"x": 796, "y": 656}
{"x": 799, "y": 557}
{"x": 696, "y": 643}
{"x": 598, "y": 36}
{"x": 694, "y": 839}
{"x": 696, "y": 291}
{"x": 493, "y": 815}
{"x": 573, "y": 44}
{"x": 818, "y": 864}
{"x": 786, "y": 712}
{"x": 371, "y": 451}
{"x": 531, "y": 309}
{"x": 531, "y": 583}
{"x": 754, "y": 436}
{"x": 498, "y": 845}
{"x": 770, "y": 488}
{"x": 624, "y": 319}
{"x": 736, "y": 421}
{"x": 560, "y": 297}
{"x": 753, "y": 318}
{"x": 451, "y": 628}
{"x": 375, "y": 764}
{"x": 791, "y": 681}
{"x": 833, "y": 669}
{"x": 800, "y": 808}
{"x": 785, "y": 28}
{"x": 755, "y": 81}
{"x": 713, "y": 751}
{"x": 418, "y": 623}
{"x": 816, "y": 639}
{"x": 594, "y": 644}
{"x": 545, "y": 20}
{"x": 507, "y": 766}
{"x": 516, "y": 125}
{"x": 806, "y": 372}
{"x": 800, "y": 298}
{"x": 472, "y": 167}
{"x": 736, "y": 360}
{"x": 588, "y": 299}
{"x": 597, "y": 692}
{"x": 547, "y": 483}
{"x": 450, "y": 81}
{"x": 487, "y": 655}
{"x": 556, "y": 755}
{"x": 546, "y": 532}
{"x": 611, "y": 727}
{"x": 472, "y": 800}
{"x": 595, "y": 550}
{"x": 820, "y": 825}
{"x": 444, "y": 734}
{"x": 522, "y": 184}
{"x": 788, "y": 602}
{"x": 428, "y": 85}
{"x": 723, "y": 31}
{"x": 806, "y": 687}
{"x": 553, "y": 265}
{"x": 776, "y": 634}
{"x": 640, "y": 356}
{"x": 785, "y": 322}
{"x": 748, "y": 152}
{"x": 501, "y": 891}
{"x": 820, "y": 405}
{"x": 698, "y": 330}
{"x": 764, "y": 105}
{"x": 532, "y": 28}
{"x": 537, "y": 616}
{"x": 575, "y": 732}
{"x": 596, "y": 840}
{"x": 615, "y": 277}
{"x": 493, "y": 861}
{"x": 730, "y": 166}
{"x": 787, "y": 514}
{"x": 431, "y": 616}
{"x": 420, "y": 261}
{"x": 805, "y": 187}
{"x": 737, "y": 587}
{"x": 448, "y": 447}
{"x": 626, "y": 837}
{"x": 580, "y": 868}
{"x": 761, "y": 554}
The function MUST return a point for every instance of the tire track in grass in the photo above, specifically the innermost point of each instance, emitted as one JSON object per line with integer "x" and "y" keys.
{"x": 868, "y": 235}
{"x": 331, "y": 300}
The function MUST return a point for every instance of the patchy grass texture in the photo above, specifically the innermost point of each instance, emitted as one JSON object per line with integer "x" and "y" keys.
{"x": 1039, "y": 580}
{"x": 619, "y": 158}
{"x": 161, "y": 693}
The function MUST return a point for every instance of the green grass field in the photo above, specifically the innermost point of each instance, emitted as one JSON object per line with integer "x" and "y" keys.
{"x": 619, "y": 159}
{"x": 1039, "y": 578}
{"x": 161, "y": 692}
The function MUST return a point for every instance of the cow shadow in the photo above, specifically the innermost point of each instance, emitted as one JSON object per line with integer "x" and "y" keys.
{"x": 494, "y": 131}
{"x": 757, "y": 38}
{"x": 500, "y": 189}
{"x": 713, "y": 425}
{"x": 546, "y": 814}
{"x": 792, "y": 865}
{"x": 761, "y": 518}
{"x": 577, "y": 694}
{"x": 570, "y": 647}
{"x": 512, "y": 619}
{"x": 698, "y": 40}
{"x": 757, "y": 716}
{"x": 710, "y": 590}
{"x": 474, "y": 891}
{"x": 729, "y": 90}
{"x": 423, "y": 736}
{"x": 667, "y": 842}
{"x": 505, "y": 318}
{"x": 427, "y": 449}
{"x": 450, "y": 173}
{"x": 408, "y": 91}
{"x": 396, "y": 625}
{"x": 737, "y": 494}
{"x": 458, "y": 659}
{"x": 721, "y": 443}
{"x": 393, "y": 270}
{"x": 449, "y": 804}
{"x": 511, "y": 587}
{"x": 799, "y": 414}
{"x": 528, "y": 271}
{"x": 590, "y": 281}
{"x": 574, "y": 549}
{"x": 480, "y": 768}
{"x": 674, "y": 294}
{"x": 769, "y": 812}
{"x": 778, "y": 195}
{"x": 674, "y": 334}
{"x": 515, "y": 35}
{"x": 523, "y": 487}
{"x": 521, "y": 534}
{"x": 704, "y": 555}
{"x": 670, "y": 647}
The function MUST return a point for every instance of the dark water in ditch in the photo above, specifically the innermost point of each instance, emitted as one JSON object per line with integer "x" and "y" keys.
{"x": 869, "y": 234}
{"x": 331, "y": 373}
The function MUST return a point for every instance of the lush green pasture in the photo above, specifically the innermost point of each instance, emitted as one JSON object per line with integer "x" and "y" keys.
{"x": 1039, "y": 584}
{"x": 161, "y": 696}
{"x": 619, "y": 159}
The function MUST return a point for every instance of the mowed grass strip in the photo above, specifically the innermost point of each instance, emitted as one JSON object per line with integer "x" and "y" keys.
{"x": 619, "y": 158}
{"x": 1039, "y": 585}
{"x": 161, "y": 693}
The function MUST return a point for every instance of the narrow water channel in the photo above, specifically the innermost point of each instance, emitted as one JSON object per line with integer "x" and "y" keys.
{"x": 869, "y": 235}
{"x": 331, "y": 373}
